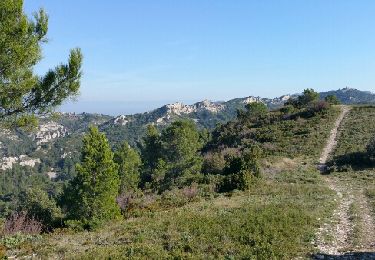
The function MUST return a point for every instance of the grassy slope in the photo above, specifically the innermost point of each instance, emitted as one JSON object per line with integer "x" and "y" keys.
{"x": 357, "y": 130}
{"x": 359, "y": 177}
{"x": 277, "y": 219}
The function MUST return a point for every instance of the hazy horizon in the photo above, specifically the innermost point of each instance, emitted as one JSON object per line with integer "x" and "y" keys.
{"x": 149, "y": 52}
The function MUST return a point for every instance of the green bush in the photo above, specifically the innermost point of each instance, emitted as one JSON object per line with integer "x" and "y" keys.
{"x": 40, "y": 207}
{"x": 242, "y": 171}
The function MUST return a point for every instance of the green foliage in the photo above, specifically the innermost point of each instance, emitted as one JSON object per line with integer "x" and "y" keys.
{"x": 350, "y": 96}
{"x": 151, "y": 152}
{"x": 172, "y": 159}
{"x": 317, "y": 107}
{"x": 242, "y": 171}
{"x": 91, "y": 195}
{"x": 297, "y": 134}
{"x": 14, "y": 241}
{"x": 332, "y": 99}
{"x": 14, "y": 181}
{"x": 354, "y": 149}
{"x": 273, "y": 221}
{"x": 253, "y": 110}
{"x": 129, "y": 163}
{"x": 38, "y": 206}
{"x": 308, "y": 96}
{"x": 23, "y": 93}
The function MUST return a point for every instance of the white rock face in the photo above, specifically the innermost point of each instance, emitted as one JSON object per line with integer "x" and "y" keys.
{"x": 7, "y": 162}
{"x": 208, "y": 105}
{"x": 29, "y": 161}
{"x": 23, "y": 160}
{"x": 121, "y": 120}
{"x": 251, "y": 99}
{"x": 179, "y": 108}
{"x": 285, "y": 97}
{"x": 49, "y": 131}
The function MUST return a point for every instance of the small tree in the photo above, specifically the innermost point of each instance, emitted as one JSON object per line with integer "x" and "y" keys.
{"x": 181, "y": 146}
{"x": 255, "y": 111}
{"x": 151, "y": 153}
{"x": 309, "y": 95}
{"x": 91, "y": 196}
{"x": 242, "y": 170}
{"x": 38, "y": 206}
{"x": 22, "y": 93}
{"x": 129, "y": 163}
{"x": 332, "y": 99}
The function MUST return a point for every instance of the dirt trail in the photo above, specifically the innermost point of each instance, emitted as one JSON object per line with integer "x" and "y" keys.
{"x": 331, "y": 143}
{"x": 335, "y": 238}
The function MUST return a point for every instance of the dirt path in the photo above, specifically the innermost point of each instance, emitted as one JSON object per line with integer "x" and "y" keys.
{"x": 333, "y": 237}
{"x": 331, "y": 143}
{"x": 337, "y": 237}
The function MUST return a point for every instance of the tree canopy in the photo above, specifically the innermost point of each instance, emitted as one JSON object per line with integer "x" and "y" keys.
{"x": 172, "y": 158}
{"x": 22, "y": 92}
{"x": 129, "y": 163}
{"x": 91, "y": 195}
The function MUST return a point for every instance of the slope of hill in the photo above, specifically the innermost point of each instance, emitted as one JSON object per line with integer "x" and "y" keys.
{"x": 278, "y": 218}
{"x": 350, "y": 96}
{"x": 53, "y": 148}
{"x": 351, "y": 227}
{"x": 275, "y": 219}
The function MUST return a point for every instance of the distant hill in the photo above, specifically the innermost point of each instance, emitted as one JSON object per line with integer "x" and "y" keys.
{"x": 350, "y": 96}
{"x": 55, "y": 146}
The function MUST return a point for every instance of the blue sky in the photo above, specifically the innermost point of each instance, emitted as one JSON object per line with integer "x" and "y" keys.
{"x": 140, "y": 54}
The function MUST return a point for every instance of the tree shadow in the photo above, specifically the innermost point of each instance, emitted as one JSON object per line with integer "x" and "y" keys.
{"x": 356, "y": 161}
{"x": 346, "y": 256}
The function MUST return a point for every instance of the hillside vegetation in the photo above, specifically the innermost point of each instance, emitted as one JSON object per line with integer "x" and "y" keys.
{"x": 352, "y": 174}
{"x": 248, "y": 190}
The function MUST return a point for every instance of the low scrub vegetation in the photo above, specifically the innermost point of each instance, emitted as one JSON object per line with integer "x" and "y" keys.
{"x": 356, "y": 146}
{"x": 187, "y": 193}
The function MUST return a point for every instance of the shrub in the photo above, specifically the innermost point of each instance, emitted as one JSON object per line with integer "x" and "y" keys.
{"x": 318, "y": 107}
{"x": 213, "y": 163}
{"x": 190, "y": 192}
{"x": 287, "y": 109}
{"x": 242, "y": 171}
{"x": 20, "y": 222}
{"x": 129, "y": 163}
{"x": 38, "y": 206}
{"x": 371, "y": 148}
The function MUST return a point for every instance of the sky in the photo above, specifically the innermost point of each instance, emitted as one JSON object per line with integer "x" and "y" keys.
{"x": 141, "y": 54}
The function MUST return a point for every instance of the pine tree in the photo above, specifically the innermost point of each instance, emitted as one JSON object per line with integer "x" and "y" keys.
{"x": 91, "y": 195}
{"x": 181, "y": 146}
{"x": 129, "y": 163}
{"x": 172, "y": 158}
{"x": 22, "y": 93}
{"x": 151, "y": 153}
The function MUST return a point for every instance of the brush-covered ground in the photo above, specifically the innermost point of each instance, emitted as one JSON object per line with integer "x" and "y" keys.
{"x": 352, "y": 175}
{"x": 277, "y": 219}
